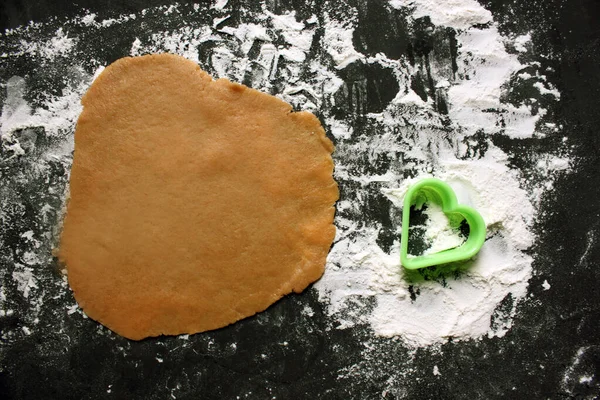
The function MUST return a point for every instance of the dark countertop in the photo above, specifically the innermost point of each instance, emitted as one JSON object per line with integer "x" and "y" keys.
{"x": 282, "y": 353}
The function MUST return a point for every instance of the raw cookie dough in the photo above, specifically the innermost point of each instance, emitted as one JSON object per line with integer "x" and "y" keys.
{"x": 194, "y": 203}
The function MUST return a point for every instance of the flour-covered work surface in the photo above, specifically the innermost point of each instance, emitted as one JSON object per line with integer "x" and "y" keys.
{"x": 495, "y": 98}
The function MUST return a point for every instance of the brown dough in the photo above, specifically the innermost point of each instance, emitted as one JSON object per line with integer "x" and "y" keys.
{"x": 194, "y": 203}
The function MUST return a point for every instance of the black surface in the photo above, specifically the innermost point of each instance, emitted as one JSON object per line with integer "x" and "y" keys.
{"x": 535, "y": 360}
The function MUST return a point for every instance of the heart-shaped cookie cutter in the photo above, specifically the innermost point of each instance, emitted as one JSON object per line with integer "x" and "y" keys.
{"x": 436, "y": 191}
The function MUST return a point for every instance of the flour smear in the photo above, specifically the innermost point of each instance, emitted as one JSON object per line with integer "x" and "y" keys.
{"x": 382, "y": 147}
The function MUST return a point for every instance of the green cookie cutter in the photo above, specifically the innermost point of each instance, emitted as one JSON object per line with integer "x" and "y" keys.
{"x": 435, "y": 191}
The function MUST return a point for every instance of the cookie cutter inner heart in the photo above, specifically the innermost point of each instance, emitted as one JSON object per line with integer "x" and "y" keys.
{"x": 438, "y": 192}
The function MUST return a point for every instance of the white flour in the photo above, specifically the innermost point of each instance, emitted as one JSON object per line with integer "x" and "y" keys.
{"x": 438, "y": 232}
{"x": 460, "y": 307}
{"x": 363, "y": 283}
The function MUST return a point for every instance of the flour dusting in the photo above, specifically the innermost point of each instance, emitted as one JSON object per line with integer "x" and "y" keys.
{"x": 424, "y": 143}
{"x": 395, "y": 118}
{"x": 438, "y": 232}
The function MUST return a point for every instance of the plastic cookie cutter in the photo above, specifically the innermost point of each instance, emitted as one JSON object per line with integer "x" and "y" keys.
{"x": 436, "y": 191}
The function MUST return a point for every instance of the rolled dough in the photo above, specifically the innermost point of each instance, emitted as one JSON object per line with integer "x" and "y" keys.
{"x": 194, "y": 203}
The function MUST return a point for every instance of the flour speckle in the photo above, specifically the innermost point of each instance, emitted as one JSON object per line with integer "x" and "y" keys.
{"x": 546, "y": 285}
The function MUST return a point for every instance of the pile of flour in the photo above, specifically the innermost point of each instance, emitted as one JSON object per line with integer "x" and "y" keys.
{"x": 364, "y": 283}
{"x": 460, "y": 306}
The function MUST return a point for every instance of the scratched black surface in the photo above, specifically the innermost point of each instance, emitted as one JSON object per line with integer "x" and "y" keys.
{"x": 284, "y": 354}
